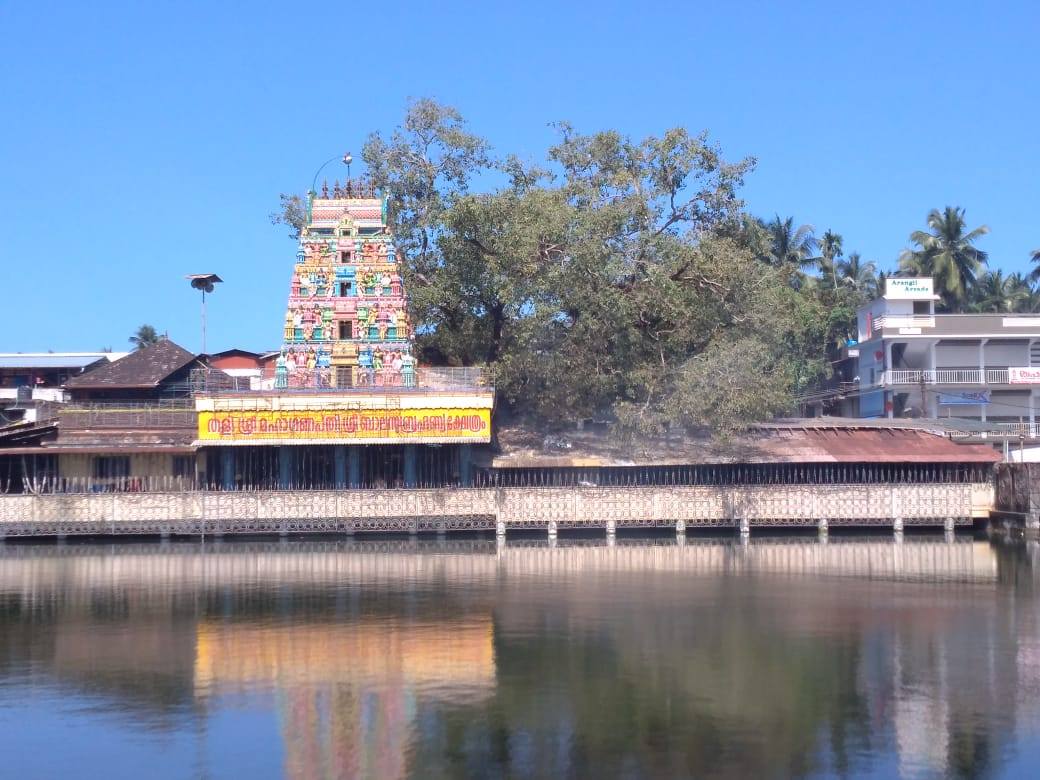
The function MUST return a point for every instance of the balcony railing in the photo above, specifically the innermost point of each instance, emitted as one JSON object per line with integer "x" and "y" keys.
{"x": 168, "y": 414}
{"x": 1023, "y": 429}
{"x": 209, "y": 381}
{"x": 950, "y": 376}
{"x": 904, "y": 321}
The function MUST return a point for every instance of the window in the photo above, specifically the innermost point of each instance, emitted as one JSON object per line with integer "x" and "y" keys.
{"x": 922, "y": 307}
{"x": 346, "y": 329}
{"x": 344, "y": 257}
{"x": 183, "y": 466}
{"x": 109, "y": 466}
{"x": 346, "y": 289}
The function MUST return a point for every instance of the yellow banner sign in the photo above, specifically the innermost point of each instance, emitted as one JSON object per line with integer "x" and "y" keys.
{"x": 372, "y": 425}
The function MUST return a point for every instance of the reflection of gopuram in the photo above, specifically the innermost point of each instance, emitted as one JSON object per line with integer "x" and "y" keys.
{"x": 349, "y": 693}
{"x": 346, "y": 324}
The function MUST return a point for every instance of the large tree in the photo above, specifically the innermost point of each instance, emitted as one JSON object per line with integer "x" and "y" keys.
{"x": 948, "y": 254}
{"x": 612, "y": 281}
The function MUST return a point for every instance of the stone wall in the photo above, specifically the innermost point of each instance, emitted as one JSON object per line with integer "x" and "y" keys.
{"x": 351, "y": 511}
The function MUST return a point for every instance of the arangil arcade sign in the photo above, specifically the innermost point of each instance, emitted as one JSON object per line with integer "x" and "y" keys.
{"x": 904, "y": 288}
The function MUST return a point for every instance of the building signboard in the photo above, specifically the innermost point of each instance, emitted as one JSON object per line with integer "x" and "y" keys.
{"x": 980, "y": 398}
{"x": 902, "y": 288}
{"x": 1019, "y": 375}
{"x": 362, "y": 426}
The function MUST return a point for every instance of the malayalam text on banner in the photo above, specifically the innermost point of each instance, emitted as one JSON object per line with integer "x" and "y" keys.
{"x": 429, "y": 425}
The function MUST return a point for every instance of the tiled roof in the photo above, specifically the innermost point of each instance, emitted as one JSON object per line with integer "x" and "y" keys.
{"x": 141, "y": 369}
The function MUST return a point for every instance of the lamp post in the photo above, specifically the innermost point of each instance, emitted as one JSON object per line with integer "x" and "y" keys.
{"x": 203, "y": 282}
{"x": 347, "y": 160}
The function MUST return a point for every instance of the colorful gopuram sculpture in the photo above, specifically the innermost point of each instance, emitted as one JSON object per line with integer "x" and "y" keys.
{"x": 346, "y": 323}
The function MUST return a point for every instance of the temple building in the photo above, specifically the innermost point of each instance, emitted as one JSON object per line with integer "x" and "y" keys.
{"x": 344, "y": 403}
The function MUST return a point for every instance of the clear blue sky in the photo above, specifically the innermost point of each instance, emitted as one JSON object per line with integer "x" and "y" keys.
{"x": 144, "y": 141}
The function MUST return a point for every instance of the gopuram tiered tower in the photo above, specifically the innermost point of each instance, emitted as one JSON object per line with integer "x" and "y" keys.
{"x": 346, "y": 324}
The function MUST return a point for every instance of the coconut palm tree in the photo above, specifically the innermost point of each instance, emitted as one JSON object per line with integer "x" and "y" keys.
{"x": 830, "y": 252}
{"x": 145, "y": 336}
{"x": 1034, "y": 257}
{"x": 948, "y": 254}
{"x": 1021, "y": 292}
{"x": 995, "y": 293}
{"x": 790, "y": 245}
{"x": 860, "y": 275}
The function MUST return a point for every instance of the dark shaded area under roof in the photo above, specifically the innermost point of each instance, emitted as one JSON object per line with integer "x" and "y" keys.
{"x": 142, "y": 369}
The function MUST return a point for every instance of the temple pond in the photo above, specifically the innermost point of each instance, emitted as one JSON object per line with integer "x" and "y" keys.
{"x": 781, "y": 657}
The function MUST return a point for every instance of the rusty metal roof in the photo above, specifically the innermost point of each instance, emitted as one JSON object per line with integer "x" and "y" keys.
{"x": 775, "y": 444}
{"x": 860, "y": 445}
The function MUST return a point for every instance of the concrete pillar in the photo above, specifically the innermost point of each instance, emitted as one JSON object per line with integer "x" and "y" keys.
{"x": 611, "y": 532}
{"x": 822, "y": 527}
{"x": 411, "y": 465}
{"x": 1032, "y": 413}
{"x": 354, "y": 467}
{"x": 552, "y": 530}
{"x": 982, "y": 369}
{"x": 888, "y": 396}
{"x": 227, "y": 468}
{"x": 339, "y": 466}
{"x": 680, "y": 527}
{"x": 466, "y": 465}
{"x": 745, "y": 527}
{"x": 930, "y": 403}
{"x": 897, "y": 525}
{"x": 1032, "y": 521}
{"x": 500, "y": 529}
{"x": 285, "y": 461}
{"x": 949, "y": 524}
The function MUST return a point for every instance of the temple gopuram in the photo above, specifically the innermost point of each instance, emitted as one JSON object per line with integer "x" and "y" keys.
{"x": 345, "y": 403}
{"x": 346, "y": 324}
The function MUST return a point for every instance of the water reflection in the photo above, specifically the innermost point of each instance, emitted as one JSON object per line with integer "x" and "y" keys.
{"x": 391, "y": 659}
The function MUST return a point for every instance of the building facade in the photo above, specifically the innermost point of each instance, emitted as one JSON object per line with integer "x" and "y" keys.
{"x": 912, "y": 362}
{"x": 344, "y": 404}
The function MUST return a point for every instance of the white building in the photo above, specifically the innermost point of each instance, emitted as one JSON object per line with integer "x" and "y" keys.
{"x": 913, "y": 362}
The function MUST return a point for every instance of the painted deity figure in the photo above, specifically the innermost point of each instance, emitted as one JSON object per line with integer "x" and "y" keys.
{"x": 407, "y": 370}
{"x": 281, "y": 372}
{"x": 365, "y": 365}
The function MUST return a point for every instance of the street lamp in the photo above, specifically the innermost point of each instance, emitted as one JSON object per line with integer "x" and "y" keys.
{"x": 203, "y": 282}
{"x": 347, "y": 160}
